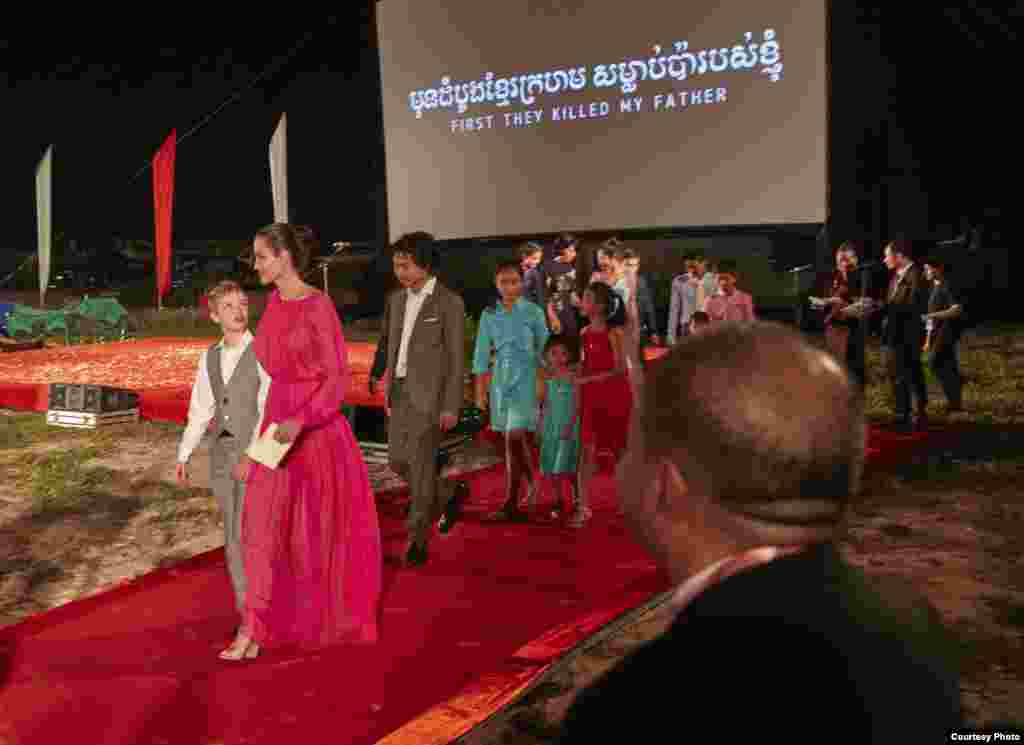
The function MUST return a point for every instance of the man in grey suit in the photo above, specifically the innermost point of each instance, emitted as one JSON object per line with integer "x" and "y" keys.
{"x": 424, "y": 329}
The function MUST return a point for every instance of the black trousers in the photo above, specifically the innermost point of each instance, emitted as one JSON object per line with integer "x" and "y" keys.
{"x": 855, "y": 362}
{"x": 942, "y": 359}
{"x": 907, "y": 375}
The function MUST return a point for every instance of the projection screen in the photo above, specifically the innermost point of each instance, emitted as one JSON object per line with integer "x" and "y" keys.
{"x": 524, "y": 116}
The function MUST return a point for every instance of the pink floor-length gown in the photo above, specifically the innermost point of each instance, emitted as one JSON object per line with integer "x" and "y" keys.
{"x": 310, "y": 532}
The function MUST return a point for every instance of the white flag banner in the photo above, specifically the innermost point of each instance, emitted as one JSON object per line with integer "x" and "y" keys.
{"x": 44, "y": 219}
{"x": 279, "y": 171}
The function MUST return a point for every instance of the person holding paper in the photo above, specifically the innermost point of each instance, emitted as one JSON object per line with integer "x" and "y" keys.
{"x": 843, "y": 334}
{"x": 230, "y": 391}
{"x": 310, "y": 530}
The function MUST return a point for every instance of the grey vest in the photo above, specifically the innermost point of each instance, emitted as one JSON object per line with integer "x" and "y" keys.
{"x": 238, "y": 401}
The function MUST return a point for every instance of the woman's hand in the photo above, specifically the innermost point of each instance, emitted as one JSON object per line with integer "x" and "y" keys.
{"x": 287, "y": 431}
{"x": 241, "y": 470}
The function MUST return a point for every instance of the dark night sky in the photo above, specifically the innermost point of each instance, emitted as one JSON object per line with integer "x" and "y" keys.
{"x": 106, "y": 102}
{"x": 108, "y": 96}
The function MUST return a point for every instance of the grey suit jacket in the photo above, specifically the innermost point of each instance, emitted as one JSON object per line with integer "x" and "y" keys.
{"x": 436, "y": 358}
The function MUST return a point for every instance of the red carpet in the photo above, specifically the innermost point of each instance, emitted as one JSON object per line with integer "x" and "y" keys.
{"x": 495, "y": 606}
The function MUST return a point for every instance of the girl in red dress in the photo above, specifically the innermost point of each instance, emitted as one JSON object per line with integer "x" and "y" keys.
{"x": 605, "y": 399}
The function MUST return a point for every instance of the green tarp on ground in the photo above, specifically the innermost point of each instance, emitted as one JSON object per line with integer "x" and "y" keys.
{"x": 102, "y": 310}
{"x": 108, "y": 314}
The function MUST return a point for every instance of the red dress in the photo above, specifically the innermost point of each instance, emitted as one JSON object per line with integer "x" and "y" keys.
{"x": 310, "y": 531}
{"x": 606, "y": 404}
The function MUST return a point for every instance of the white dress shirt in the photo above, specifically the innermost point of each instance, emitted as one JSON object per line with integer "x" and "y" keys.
{"x": 701, "y": 294}
{"x": 203, "y": 405}
{"x": 413, "y": 302}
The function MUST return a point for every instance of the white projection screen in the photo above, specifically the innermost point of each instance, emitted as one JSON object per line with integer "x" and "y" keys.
{"x": 524, "y": 116}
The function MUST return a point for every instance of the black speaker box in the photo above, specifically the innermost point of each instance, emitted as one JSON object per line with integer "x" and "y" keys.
{"x": 97, "y": 399}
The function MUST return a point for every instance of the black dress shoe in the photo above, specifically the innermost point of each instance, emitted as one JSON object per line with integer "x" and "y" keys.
{"x": 453, "y": 512}
{"x": 510, "y": 512}
{"x": 416, "y": 555}
{"x": 903, "y": 426}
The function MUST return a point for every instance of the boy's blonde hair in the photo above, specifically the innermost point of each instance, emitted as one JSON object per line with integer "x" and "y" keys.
{"x": 221, "y": 290}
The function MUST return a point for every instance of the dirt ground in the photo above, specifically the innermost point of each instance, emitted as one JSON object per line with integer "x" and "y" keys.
{"x": 81, "y": 511}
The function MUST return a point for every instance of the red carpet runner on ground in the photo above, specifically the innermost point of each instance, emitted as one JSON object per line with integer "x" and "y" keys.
{"x": 460, "y": 637}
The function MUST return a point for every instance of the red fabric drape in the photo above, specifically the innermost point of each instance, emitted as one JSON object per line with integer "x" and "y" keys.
{"x": 163, "y": 207}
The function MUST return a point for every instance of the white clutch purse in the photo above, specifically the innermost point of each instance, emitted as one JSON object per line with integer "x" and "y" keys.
{"x": 268, "y": 451}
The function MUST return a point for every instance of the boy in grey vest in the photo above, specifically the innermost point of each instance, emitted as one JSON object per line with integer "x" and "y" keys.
{"x": 230, "y": 391}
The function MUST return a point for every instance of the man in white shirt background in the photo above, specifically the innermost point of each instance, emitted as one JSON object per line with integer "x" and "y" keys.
{"x": 229, "y": 393}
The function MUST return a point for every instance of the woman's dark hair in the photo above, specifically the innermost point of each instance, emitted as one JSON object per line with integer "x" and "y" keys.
{"x": 505, "y": 265}
{"x": 297, "y": 240}
{"x": 610, "y": 246}
{"x": 854, "y": 247}
{"x": 611, "y": 301}
{"x": 937, "y": 262}
{"x": 569, "y": 343}
{"x": 586, "y": 265}
{"x": 563, "y": 242}
{"x": 624, "y": 254}
{"x": 700, "y": 318}
{"x": 420, "y": 247}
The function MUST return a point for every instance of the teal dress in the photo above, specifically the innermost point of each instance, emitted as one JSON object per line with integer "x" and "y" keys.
{"x": 558, "y": 456}
{"x": 517, "y": 337}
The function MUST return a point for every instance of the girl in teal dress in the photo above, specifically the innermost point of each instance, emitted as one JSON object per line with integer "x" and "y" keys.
{"x": 516, "y": 330}
{"x": 559, "y": 424}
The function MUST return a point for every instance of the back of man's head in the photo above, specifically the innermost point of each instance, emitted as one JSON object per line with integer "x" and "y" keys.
{"x": 759, "y": 421}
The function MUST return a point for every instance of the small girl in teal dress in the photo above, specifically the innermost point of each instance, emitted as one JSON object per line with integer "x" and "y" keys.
{"x": 559, "y": 423}
{"x": 516, "y": 330}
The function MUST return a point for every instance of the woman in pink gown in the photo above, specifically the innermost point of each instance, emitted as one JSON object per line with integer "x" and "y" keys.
{"x": 310, "y": 531}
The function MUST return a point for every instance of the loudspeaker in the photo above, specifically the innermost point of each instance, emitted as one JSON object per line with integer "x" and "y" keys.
{"x": 96, "y": 399}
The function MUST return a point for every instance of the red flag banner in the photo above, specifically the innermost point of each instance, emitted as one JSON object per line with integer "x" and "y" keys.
{"x": 163, "y": 207}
